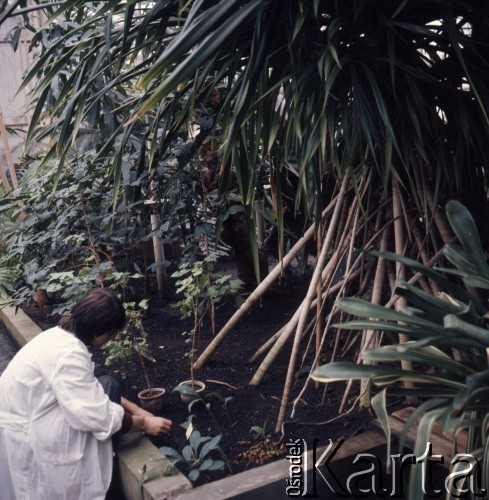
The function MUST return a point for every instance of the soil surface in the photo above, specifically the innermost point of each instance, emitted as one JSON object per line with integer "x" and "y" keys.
{"x": 227, "y": 375}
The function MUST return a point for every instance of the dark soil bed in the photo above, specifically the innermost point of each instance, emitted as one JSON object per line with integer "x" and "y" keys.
{"x": 227, "y": 375}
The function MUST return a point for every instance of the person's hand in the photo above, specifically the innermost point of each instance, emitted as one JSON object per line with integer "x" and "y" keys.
{"x": 155, "y": 426}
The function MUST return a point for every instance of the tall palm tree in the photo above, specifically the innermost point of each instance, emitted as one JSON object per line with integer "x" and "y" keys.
{"x": 379, "y": 105}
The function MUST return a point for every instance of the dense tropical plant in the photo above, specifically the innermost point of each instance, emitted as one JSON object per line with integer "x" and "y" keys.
{"x": 368, "y": 116}
{"x": 68, "y": 239}
{"x": 449, "y": 338}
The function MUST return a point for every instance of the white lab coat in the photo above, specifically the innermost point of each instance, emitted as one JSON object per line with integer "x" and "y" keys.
{"x": 56, "y": 423}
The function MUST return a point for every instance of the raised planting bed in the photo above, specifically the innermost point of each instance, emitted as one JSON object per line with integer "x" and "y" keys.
{"x": 135, "y": 457}
{"x": 242, "y": 414}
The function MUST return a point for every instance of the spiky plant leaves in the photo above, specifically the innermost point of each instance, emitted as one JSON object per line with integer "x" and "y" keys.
{"x": 454, "y": 393}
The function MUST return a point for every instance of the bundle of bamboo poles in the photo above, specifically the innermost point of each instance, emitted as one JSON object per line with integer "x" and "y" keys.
{"x": 348, "y": 224}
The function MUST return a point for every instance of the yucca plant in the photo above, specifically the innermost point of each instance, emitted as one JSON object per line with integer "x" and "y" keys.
{"x": 453, "y": 392}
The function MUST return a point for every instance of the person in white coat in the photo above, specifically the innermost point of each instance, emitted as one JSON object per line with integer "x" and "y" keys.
{"x": 56, "y": 420}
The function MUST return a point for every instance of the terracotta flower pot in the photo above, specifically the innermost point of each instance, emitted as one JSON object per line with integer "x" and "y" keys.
{"x": 198, "y": 387}
{"x": 152, "y": 399}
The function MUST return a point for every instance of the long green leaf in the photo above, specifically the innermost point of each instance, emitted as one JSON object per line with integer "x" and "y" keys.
{"x": 380, "y": 375}
{"x": 466, "y": 231}
{"x": 469, "y": 330}
{"x": 428, "y": 356}
{"x": 425, "y": 426}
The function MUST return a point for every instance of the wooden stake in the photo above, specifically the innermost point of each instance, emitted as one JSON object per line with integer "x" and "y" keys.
{"x": 310, "y": 296}
{"x": 259, "y": 290}
{"x": 159, "y": 257}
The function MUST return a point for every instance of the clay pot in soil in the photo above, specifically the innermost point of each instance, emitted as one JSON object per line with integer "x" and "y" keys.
{"x": 152, "y": 399}
{"x": 188, "y": 397}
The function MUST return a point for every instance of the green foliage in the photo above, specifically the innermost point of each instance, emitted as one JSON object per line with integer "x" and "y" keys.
{"x": 71, "y": 286}
{"x": 453, "y": 392}
{"x": 63, "y": 232}
{"x": 133, "y": 338}
{"x": 261, "y": 431}
{"x": 198, "y": 399}
{"x": 197, "y": 454}
{"x": 10, "y": 272}
{"x": 262, "y": 448}
{"x": 203, "y": 290}
{"x": 134, "y": 76}
{"x": 201, "y": 287}
{"x": 163, "y": 468}
{"x": 225, "y": 402}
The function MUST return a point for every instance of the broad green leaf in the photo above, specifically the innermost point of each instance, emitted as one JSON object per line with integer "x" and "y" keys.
{"x": 379, "y": 405}
{"x": 216, "y": 465}
{"x": 194, "y": 440}
{"x": 170, "y": 452}
{"x": 412, "y": 420}
{"x": 193, "y": 475}
{"x": 210, "y": 445}
{"x": 187, "y": 453}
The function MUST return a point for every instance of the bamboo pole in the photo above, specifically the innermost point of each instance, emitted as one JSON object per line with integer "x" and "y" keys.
{"x": 292, "y": 324}
{"x": 350, "y": 273}
{"x": 441, "y": 224}
{"x": 265, "y": 346}
{"x": 400, "y": 269}
{"x": 321, "y": 263}
{"x": 5, "y": 182}
{"x": 286, "y": 331}
{"x": 161, "y": 277}
{"x": 3, "y": 175}
{"x": 259, "y": 290}
{"x": 289, "y": 328}
{"x": 440, "y": 221}
{"x": 446, "y": 235}
{"x": 370, "y": 337}
{"x": 428, "y": 285}
{"x": 260, "y": 222}
{"x": 319, "y": 323}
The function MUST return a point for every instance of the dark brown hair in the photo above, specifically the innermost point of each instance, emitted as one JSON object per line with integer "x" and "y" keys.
{"x": 99, "y": 312}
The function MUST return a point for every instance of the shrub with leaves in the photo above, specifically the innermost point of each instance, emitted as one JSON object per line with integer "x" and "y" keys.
{"x": 449, "y": 338}
{"x": 202, "y": 291}
{"x": 67, "y": 222}
{"x": 201, "y": 287}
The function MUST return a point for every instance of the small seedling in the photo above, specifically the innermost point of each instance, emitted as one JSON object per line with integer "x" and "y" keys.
{"x": 225, "y": 402}
{"x": 264, "y": 450}
{"x": 186, "y": 389}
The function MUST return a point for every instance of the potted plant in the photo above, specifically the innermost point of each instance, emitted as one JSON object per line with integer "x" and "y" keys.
{"x": 190, "y": 390}
{"x": 151, "y": 398}
{"x": 202, "y": 291}
{"x": 133, "y": 337}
